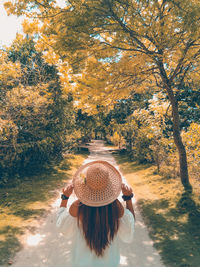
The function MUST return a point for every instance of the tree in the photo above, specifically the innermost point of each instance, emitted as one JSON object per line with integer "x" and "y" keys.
{"x": 145, "y": 43}
{"x": 35, "y": 116}
{"x": 189, "y": 109}
{"x": 85, "y": 122}
{"x": 191, "y": 139}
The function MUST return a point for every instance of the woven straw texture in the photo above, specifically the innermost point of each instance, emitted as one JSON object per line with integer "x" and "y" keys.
{"x": 97, "y": 183}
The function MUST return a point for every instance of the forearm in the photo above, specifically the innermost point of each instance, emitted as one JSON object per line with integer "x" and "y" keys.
{"x": 129, "y": 206}
{"x": 64, "y": 203}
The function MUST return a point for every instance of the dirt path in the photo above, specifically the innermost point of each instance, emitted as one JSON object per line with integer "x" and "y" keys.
{"x": 47, "y": 248}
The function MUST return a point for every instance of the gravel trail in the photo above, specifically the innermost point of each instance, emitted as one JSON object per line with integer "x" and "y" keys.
{"x": 47, "y": 248}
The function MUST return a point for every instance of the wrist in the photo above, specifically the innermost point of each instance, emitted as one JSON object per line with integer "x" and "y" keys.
{"x": 64, "y": 203}
{"x": 64, "y": 197}
{"x": 127, "y": 197}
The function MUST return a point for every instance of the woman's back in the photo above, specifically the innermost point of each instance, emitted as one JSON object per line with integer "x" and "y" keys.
{"x": 97, "y": 221}
{"x": 81, "y": 254}
{"x": 99, "y": 225}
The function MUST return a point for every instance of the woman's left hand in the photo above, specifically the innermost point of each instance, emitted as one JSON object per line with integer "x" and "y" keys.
{"x": 126, "y": 190}
{"x": 68, "y": 190}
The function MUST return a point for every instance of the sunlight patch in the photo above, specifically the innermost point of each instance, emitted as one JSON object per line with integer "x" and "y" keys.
{"x": 34, "y": 240}
{"x": 148, "y": 243}
{"x": 123, "y": 260}
{"x": 56, "y": 203}
{"x": 149, "y": 258}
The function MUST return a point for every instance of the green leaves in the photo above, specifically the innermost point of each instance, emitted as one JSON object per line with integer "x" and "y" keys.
{"x": 34, "y": 113}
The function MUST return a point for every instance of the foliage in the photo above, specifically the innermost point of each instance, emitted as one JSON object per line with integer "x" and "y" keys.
{"x": 172, "y": 217}
{"x": 148, "y": 137}
{"x": 191, "y": 139}
{"x": 24, "y": 201}
{"x": 111, "y": 48}
{"x": 138, "y": 43}
{"x": 85, "y": 124}
{"x": 189, "y": 105}
{"x": 117, "y": 139}
{"x": 35, "y": 116}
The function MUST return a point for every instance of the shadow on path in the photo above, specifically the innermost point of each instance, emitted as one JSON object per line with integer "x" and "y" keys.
{"x": 181, "y": 237}
{"x": 49, "y": 248}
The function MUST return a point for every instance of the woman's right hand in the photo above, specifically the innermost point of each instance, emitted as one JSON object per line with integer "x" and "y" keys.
{"x": 68, "y": 190}
{"x": 126, "y": 190}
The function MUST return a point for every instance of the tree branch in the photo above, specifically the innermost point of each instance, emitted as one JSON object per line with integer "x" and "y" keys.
{"x": 188, "y": 45}
{"x": 132, "y": 33}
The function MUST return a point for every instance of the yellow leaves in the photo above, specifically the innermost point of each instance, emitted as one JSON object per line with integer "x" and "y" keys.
{"x": 31, "y": 27}
{"x": 67, "y": 80}
{"x": 26, "y": 97}
{"x": 145, "y": 32}
{"x": 41, "y": 44}
{"x": 159, "y": 105}
{"x": 141, "y": 114}
{"x": 90, "y": 88}
{"x": 45, "y": 46}
{"x": 8, "y": 129}
{"x": 192, "y": 137}
{"x": 153, "y": 119}
{"x": 10, "y": 8}
{"x": 118, "y": 139}
{"x": 51, "y": 57}
{"x": 25, "y": 105}
{"x": 9, "y": 71}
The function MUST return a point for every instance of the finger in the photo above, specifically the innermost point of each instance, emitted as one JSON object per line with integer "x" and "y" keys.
{"x": 128, "y": 188}
{"x": 124, "y": 187}
{"x": 70, "y": 188}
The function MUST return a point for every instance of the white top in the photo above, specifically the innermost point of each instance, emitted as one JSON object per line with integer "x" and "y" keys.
{"x": 81, "y": 255}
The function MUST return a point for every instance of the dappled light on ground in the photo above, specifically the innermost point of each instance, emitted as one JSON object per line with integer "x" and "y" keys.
{"x": 51, "y": 248}
{"x": 34, "y": 240}
{"x": 56, "y": 203}
{"x": 123, "y": 261}
{"x": 173, "y": 216}
{"x": 26, "y": 202}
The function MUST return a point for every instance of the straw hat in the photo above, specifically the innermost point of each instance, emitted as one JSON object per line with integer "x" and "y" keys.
{"x": 97, "y": 183}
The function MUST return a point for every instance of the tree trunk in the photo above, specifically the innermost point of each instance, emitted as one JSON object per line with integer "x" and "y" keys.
{"x": 178, "y": 142}
{"x": 157, "y": 157}
{"x": 129, "y": 146}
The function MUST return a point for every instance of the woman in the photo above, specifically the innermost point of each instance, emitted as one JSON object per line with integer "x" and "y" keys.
{"x": 97, "y": 221}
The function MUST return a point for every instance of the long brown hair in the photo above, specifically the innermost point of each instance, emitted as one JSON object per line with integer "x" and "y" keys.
{"x": 99, "y": 225}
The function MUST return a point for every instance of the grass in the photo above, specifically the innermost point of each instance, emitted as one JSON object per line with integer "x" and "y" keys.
{"x": 26, "y": 201}
{"x": 172, "y": 216}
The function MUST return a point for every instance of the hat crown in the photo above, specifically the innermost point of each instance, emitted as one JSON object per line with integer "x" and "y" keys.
{"x": 97, "y": 183}
{"x": 97, "y": 177}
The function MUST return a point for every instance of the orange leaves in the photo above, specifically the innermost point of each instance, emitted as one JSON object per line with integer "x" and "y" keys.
{"x": 10, "y": 7}
{"x": 31, "y": 27}
{"x": 8, "y": 130}
{"x": 25, "y": 97}
{"x": 9, "y": 71}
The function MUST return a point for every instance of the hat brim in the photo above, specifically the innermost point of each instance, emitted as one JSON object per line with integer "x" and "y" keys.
{"x": 97, "y": 197}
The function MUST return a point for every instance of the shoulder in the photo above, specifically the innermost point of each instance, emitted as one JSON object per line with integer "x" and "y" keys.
{"x": 73, "y": 210}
